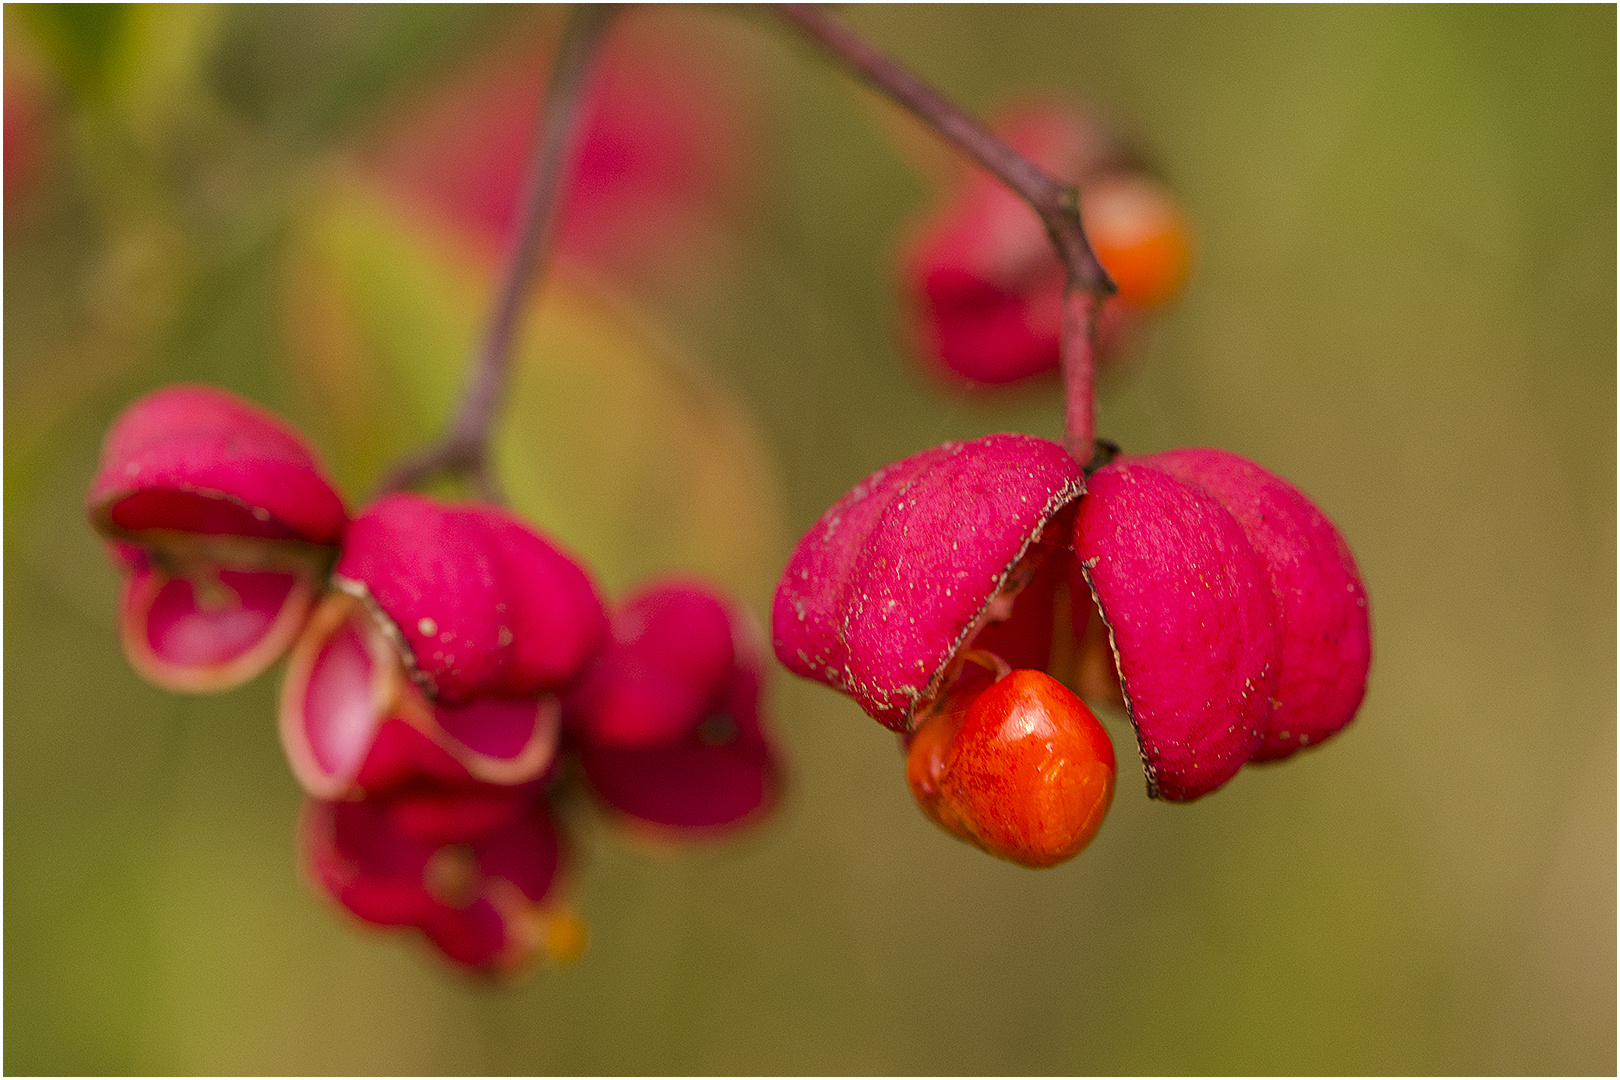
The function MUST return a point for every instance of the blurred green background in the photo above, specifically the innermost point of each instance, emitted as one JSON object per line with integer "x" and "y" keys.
{"x": 1404, "y": 301}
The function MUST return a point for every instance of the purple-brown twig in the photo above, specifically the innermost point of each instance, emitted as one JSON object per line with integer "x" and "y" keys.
{"x": 464, "y": 447}
{"x": 1058, "y": 204}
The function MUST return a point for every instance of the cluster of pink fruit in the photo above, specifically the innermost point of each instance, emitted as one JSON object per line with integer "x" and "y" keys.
{"x": 452, "y": 672}
{"x": 968, "y": 596}
{"x": 453, "y": 677}
{"x": 448, "y": 665}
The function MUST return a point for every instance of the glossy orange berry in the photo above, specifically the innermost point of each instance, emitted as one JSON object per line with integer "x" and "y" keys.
{"x": 1020, "y": 768}
{"x": 1139, "y": 235}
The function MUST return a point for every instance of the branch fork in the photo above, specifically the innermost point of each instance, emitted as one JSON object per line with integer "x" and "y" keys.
{"x": 1057, "y": 204}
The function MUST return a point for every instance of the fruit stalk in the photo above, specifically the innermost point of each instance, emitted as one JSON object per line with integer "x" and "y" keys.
{"x": 1057, "y": 203}
{"x": 464, "y": 446}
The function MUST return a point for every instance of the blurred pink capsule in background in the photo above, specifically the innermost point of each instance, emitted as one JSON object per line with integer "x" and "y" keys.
{"x": 668, "y": 717}
{"x": 485, "y": 899}
{"x": 984, "y": 284}
{"x": 664, "y": 147}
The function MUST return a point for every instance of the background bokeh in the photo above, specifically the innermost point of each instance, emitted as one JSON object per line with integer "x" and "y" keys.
{"x": 1404, "y": 301}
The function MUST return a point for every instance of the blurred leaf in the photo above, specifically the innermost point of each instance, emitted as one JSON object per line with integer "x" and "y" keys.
{"x": 79, "y": 39}
{"x": 156, "y": 73}
{"x": 610, "y": 442}
{"x": 142, "y": 59}
{"x": 313, "y": 70}
{"x": 636, "y": 459}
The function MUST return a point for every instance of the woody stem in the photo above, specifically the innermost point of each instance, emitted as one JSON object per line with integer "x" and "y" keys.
{"x": 464, "y": 447}
{"x": 1057, "y": 203}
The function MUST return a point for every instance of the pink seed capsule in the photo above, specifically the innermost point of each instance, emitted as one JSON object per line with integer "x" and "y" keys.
{"x": 1237, "y": 619}
{"x": 347, "y": 681}
{"x": 488, "y": 900}
{"x": 1192, "y": 620}
{"x": 668, "y": 715}
{"x": 459, "y": 621}
{"x": 484, "y": 604}
{"x": 225, "y": 527}
{"x": 985, "y": 285}
{"x": 1321, "y": 601}
{"x": 958, "y": 545}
